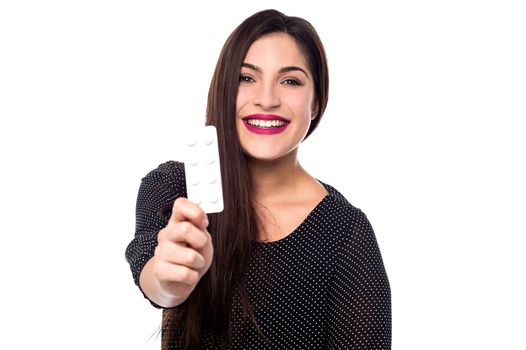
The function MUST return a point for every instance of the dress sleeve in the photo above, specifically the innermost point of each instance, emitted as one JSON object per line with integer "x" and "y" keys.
{"x": 157, "y": 192}
{"x": 359, "y": 298}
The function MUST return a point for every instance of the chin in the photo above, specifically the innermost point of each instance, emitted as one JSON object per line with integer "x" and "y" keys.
{"x": 262, "y": 157}
{"x": 266, "y": 156}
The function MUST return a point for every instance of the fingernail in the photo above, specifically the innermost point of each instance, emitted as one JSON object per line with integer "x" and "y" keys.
{"x": 205, "y": 223}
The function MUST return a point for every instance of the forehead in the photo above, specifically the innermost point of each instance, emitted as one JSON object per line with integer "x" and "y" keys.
{"x": 276, "y": 49}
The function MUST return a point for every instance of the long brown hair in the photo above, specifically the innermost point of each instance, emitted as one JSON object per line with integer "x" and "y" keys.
{"x": 208, "y": 309}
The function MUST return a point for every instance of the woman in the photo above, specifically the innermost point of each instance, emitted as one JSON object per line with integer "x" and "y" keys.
{"x": 289, "y": 263}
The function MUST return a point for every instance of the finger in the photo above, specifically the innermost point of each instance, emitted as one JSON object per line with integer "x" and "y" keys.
{"x": 186, "y": 232}
{"x": 183, "y": 232}
{"x": 177, "y": 254}
{"x": 185, "y": 210}
{"x": 175, "y": 273}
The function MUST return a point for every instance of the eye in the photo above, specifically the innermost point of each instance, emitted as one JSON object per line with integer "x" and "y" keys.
{"x": 243, "y": 78}
{"x": 292, "y": 81}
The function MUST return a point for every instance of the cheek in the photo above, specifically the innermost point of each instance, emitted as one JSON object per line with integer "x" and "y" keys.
{"x": 301, "y": 104}
{"x": 242, "y": 98}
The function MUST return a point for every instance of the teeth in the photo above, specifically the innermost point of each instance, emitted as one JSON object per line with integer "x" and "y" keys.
{"x": 266, "y": 123}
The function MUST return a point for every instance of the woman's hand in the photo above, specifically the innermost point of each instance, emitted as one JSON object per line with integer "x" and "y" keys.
{"x": 183, "y": 255}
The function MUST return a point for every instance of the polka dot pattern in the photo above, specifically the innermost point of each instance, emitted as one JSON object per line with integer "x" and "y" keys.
{"x": 324, "y": 286}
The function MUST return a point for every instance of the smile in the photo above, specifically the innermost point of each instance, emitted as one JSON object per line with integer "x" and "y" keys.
{"x": 265, "y": 124}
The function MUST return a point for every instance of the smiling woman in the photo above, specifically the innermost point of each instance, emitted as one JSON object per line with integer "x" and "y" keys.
{"x": 289, "y": 263}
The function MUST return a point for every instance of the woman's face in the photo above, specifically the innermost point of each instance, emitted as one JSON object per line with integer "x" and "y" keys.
{"x": 275, "y": 101}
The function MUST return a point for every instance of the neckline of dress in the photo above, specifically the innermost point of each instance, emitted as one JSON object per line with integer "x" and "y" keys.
{"x": 294, "y": 232}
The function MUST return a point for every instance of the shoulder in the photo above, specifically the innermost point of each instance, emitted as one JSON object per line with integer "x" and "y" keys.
{"x": 163, "y": 184}
{"x": 167, "y": 175}
{"x": 340, "y": 204}
{"x": 355, "y": 240}
{"x": 166, "y": 172}
{"x": 351, "y": 220}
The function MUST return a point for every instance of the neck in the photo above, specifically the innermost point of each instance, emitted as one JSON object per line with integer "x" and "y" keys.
{"x": 273, "y": 178}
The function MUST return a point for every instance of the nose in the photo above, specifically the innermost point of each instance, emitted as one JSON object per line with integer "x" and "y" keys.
{"x": 267, "y": 97}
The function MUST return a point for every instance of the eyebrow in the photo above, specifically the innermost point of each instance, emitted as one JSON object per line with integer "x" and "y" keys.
{"x": 282, "y": 70}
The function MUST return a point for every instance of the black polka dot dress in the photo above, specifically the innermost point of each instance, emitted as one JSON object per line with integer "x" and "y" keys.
{"x": 325, "y": 286}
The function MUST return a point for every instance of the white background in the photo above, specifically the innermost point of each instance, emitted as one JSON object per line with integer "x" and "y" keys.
{"x": 424, "y": 132}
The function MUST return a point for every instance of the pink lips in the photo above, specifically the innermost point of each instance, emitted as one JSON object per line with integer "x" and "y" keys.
{"x": 265, "y": 130}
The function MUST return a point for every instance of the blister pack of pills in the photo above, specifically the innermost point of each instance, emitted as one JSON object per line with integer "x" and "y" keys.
{"x": 202, "y": 169}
